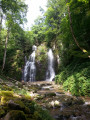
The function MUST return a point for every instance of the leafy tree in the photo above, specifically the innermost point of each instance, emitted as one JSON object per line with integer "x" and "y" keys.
{"x": 39, "y": 30}
{"x": 79, "y": 13}
{"x": 14, "y": 12}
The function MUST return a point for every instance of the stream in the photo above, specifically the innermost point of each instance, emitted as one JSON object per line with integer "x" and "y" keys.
{"x": 61, "y": 105}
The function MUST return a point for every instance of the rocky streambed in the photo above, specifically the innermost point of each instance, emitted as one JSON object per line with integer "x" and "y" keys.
{"x": 62, "y": 105}
{"x": 22, "y": 99}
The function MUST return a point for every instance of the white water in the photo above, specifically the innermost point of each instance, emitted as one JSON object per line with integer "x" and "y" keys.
{"x": 50, "y": 74}
{"x": 30, "y": 68}
{"x": 26, "y": 71}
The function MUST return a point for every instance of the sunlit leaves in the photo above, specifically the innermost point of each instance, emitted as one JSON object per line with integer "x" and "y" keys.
{"x": 85, "y": 1}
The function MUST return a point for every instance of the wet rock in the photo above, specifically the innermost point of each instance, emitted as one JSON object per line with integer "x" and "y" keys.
{"x": 54, "y": 104}
{"x": 50, "y": 94}
{"x": 65, "y": 114}
{"x": 59, "y": 93}
{"x": 10, "y": 84}
{"x": 46, "y": 87}
{"x": 17, "y": 83}
{"x": 57, "y": 103}
{"x": 75, "y": 112}
{"x": 23, "y": 83}
{"x": 82, "y": 117}
{"x": 72, "y": 101}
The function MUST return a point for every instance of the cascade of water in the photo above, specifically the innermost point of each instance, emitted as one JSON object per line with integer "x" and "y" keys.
{"x": 50, "y": 74}
{"x": 30, "y": 68}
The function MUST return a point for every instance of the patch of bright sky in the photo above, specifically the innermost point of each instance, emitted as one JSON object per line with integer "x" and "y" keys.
{"x": 34, "y": 11}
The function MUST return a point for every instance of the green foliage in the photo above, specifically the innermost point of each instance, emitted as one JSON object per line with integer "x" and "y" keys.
{"x": 38, "y": 30}
{"x": 80, "y": 21}
{"x": 41, "y": 53}
{"x": 53, "y": 28}
{"x": 14, "y": 13}
{"x": 40, "y": 114}
{"x": 41, "y": 61}
{"x": 76, "y": 78}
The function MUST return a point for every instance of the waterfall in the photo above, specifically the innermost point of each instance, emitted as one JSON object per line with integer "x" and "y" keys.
{"x": 50, "y": 74}
{"x": 30, "y": 68}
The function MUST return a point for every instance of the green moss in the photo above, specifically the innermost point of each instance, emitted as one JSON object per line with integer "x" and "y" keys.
{"x": 5, "y": 99}
{"x": 27, "y": 97}
{"x": 5, "y": 87}
{"x": 21, "y": 92}
{"x": 7, "y": 93}
{"x": 6, "y": 96}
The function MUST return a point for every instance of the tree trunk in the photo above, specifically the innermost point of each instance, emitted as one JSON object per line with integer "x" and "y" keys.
{"x": 4, "y": 58}
{"x": 71, "y": 28}
{"x": 1, "y": 17}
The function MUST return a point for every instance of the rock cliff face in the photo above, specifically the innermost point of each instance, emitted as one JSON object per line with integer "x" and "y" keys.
{"x": 41, "y": 62}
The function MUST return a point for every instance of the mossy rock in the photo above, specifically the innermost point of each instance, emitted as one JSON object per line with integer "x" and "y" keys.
{"x": 5, "y": 99}
{"x": 28, "y": 97}
{"x": 15, "y": 115}
{"x": 18, "y": 105}
{"x": 41, "y": 62}
{"x": 5, "y": 87}
{"x": 6, "y": 96}
{"x": 7, "y": 93}
{"x": 15, "y": 105}
{"x": 2, "y": 112}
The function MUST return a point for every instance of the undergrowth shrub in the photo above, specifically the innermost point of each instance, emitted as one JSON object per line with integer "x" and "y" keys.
{"x": 76, "y": 78}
